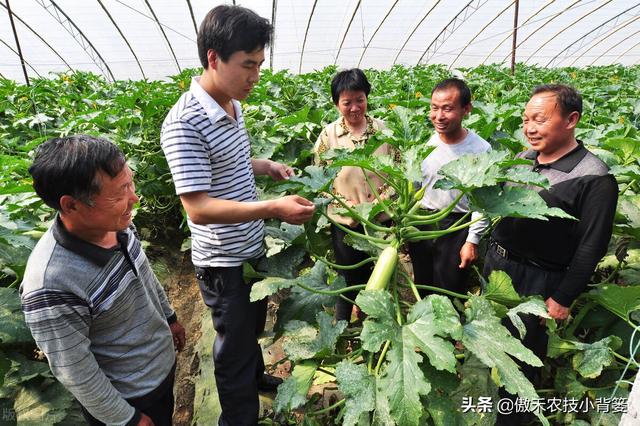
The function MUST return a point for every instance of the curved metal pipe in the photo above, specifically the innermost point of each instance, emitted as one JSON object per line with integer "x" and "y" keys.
{"x": 123, "y": 37}
{"x": 353, "y": 15}
{"x": 306, "y": 32}
{"x": 163, "y": 35}
{"x": 413, "y": 31}
{"x": 517, "y": 28}
{"x": 587, "y": 34}
{"x": 375, "y": 32}
{"x": 612, "y": 32}
{"x": 564, "y": 28}
{"x": 34, "y": 32}
{"x": 480, "y": 32}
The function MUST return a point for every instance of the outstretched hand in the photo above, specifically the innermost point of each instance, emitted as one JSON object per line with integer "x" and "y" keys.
{"x": 294, "y": 209}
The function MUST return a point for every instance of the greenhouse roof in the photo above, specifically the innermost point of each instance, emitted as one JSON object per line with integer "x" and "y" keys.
{"x": 134, "y": 39}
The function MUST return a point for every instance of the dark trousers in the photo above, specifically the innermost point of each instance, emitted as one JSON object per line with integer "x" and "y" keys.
{"x": 157, "y": 404}
{"x": 237, "y": 356}
{"x": 435, "y": 262}
{"x": 527, "y": 280}
{"x": 347, "y": 255}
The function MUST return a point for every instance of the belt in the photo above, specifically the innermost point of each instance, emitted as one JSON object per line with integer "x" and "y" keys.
{"x": 506, "y": 254}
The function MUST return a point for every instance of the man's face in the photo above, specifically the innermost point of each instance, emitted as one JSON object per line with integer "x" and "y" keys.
{"x": 544, "y": 125}
{"x": 111, "y": 209}
{"x": 237, "y": 76}
{"x": 446, "y": 113}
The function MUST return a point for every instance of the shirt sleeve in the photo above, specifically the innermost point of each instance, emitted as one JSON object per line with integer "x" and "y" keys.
{"x": 594, "y": 230}
{"x": 187, "y": 156}
{"x": 477, "y": 230}
{"x": 59, "y": 322}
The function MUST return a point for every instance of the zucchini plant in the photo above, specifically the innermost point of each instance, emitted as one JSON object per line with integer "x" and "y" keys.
{"x": 407, "y": 357}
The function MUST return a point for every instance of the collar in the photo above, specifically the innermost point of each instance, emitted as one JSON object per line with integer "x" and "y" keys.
{"x": 344, "y": 130}
{"x": 566, "y": 163}
{"x": 98, "y": 255}
{"x": 213, "y": 110}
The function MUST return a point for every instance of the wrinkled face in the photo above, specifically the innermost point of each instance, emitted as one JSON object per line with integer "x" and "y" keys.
{"x": 446, "y": 113}
{"x": 237, "y": 76}
{"x": 544, "y": 125}
{"x": 353, "y": 106}
{"x": 111, "y": 210}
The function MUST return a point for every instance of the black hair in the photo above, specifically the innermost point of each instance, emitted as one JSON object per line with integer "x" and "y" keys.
{"x": 455, "y": 83}
{"x": 70, "y": 166}
{"x": 349, "y": 80}
{"x": 568, "y": 98}
{"x": 229, "y": 29}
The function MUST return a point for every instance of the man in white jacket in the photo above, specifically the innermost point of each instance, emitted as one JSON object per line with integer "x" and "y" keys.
{"x": 445, "y": 262}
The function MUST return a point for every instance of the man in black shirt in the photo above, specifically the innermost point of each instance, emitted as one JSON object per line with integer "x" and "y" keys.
{"x": 556, "y": 258}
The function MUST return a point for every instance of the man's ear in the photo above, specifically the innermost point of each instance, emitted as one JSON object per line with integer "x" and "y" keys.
{"x": 573, "y": 119}
{"x": 212, "y": 59}
{"x": 467, "y": 109}
{"x": 68, "y": 204}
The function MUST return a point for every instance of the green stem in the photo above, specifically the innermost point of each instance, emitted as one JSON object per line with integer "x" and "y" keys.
{"x": 345, "y": 267}
{"x": 385, "y": 180}
{"x": 432, "y": 218}
{"x": 382, "y": 355}
{"x": 375, "y": 193}
{"x": 578, "y": 318}
{"x": 431, "y": 235}
{"x": 326, "y": 371}
{"x": 327, "y": 409}
{"x": 431, "y": 288}
{"x": 332, "y": 292}
{"x": 620, "y": 357}
{"x": 359, "y": 218}
{"x": 354, "y": 233}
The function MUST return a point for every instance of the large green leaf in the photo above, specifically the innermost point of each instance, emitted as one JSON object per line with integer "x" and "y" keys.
{"x": 46, "y": 402}
{"x": 403, "y": 383}
{"x": 303, "y": 305}
{"x": 475, "y": 382}
{"x": 380, "y": 324}
{"x": 359, "y": 389}
{"x": 428, "y": 322}
{"x": 292, "y": 393}
{"x": 271, "y": 285}
{"x": 497, "y": 201}
{"x": 472, "y": 171}
{"x": 13, "y": 329}
{"x": 317, "y": 179}
{"x": 622, "y": 301}
{"x": 568, "y": 384}
{"x": 588, "y": 358}
{"x": 303, "y": 341}
{"x": 499, "y": 288}
{"x": 535, "y": 306}
{"x": 443, "y": 409}
{"x": 492, "y": 343}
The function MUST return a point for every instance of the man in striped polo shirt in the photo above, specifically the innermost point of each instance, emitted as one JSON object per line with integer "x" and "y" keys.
{"x": 207, "y": 149}
{"x": 89, "y": 296}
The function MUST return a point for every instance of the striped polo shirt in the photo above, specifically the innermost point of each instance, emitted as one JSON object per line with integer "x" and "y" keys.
{"x": 102, "y": 319}
{"x": 207, "y": 150}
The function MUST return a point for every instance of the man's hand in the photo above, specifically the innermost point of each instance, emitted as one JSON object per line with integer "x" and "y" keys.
{"x": 145, "y": 420}
{"x": 556, "y": 310}
{"x": 468, "y": 254}
{"x": 177, "y": 331}
{"x": 279, "y": 171}
{"x": 293, "y": 209}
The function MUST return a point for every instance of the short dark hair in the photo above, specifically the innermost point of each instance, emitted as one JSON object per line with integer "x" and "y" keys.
{"x": 70, "y": 166}
{"x": 229, "y": 29}
{"x": 455, "y": 83}
{"x": 353, "y": 80}
{"x": 567, "y": 97}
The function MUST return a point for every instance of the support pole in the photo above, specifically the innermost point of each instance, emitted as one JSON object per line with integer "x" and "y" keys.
{"x": 15, "y": 35}
{"x": 515, "y": 34}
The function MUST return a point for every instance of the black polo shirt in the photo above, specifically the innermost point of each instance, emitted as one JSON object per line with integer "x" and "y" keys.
{"x": 581, "y": 186}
